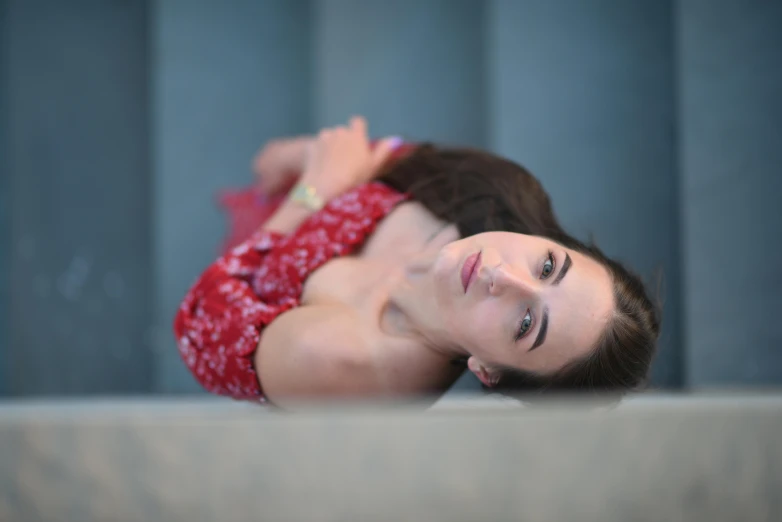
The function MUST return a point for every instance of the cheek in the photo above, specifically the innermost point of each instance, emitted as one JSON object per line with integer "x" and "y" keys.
{"x": 482, "y": 328}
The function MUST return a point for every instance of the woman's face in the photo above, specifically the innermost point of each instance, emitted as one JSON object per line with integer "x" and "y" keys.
{"x": 519, "y": 301}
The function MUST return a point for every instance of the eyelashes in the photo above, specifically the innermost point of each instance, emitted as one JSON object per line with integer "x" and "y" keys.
{"x": 548, "y": 266}
{"x": 525, "y": 323}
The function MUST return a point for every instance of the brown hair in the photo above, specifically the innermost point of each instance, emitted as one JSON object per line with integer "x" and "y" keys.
{"x": 621, "y": 357}
{"x": 480, "y": 192}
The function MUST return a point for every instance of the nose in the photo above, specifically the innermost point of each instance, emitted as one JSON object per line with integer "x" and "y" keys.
{"x": 519, "y": 283}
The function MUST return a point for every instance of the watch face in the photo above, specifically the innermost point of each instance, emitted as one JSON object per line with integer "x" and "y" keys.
{"x": 307, "y": 196}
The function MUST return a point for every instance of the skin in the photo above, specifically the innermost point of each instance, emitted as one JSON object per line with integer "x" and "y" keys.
{"x": 516, "y": 280}
{"x": 390, "y": 320}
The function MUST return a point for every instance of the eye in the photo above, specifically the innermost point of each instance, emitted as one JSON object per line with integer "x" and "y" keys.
{"x": 548, "y": 266}
{"x": 524, "y": 325}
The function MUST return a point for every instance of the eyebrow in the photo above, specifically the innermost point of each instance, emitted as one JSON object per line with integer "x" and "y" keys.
{"x": 543, "y": 330}
{"x": 563, "y": 272}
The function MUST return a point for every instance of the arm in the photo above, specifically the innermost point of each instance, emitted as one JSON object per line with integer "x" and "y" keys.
{"x": 337, "y": 160}
{"x": 316, "y": 352}
{"x": 287, "y": 218}
{"x": 280, "y": 162}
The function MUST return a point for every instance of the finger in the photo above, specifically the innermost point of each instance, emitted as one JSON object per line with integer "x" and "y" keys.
{"x": 383, "y": 150}
{"x": 358, "y": 124}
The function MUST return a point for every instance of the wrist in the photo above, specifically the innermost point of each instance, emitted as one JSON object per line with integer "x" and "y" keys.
{"x": 307, "y": 195}
{"x": 287, "y": 218}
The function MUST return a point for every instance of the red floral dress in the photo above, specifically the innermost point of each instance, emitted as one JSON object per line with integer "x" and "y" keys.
{"x": 219, "y": 323}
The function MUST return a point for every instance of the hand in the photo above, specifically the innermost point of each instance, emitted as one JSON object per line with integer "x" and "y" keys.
{"x": 280, "y": 162}
{"x": 341, "y": 158}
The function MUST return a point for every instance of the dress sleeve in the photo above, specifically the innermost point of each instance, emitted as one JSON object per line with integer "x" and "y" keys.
{"x": 219, "y": 323}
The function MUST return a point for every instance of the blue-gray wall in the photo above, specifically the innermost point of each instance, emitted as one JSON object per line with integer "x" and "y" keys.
{"x": 415, "y": 68}
{"x": 75, "y": 78}
{"x": 654, "y": 126}
{"x": 5, "y": 215}
{"x": 730, "y": 82}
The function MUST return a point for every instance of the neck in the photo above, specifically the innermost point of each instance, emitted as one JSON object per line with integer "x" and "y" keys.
{"x": 411, "y": 310}
{"x": 399, "y": 320}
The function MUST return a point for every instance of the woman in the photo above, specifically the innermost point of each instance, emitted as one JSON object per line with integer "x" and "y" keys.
{"x": 452, "y": 258}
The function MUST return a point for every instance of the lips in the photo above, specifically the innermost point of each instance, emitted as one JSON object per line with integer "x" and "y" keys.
{"x": 469, "y": 269}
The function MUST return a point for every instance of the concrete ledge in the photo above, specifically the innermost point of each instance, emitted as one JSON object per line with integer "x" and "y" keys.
{"x": 652, "y": 458}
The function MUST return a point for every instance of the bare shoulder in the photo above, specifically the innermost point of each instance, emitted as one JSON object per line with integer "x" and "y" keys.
{"x": 317, "y": 351}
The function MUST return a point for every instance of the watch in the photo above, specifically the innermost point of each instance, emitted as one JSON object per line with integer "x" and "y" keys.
{"x": 306, "y": 195}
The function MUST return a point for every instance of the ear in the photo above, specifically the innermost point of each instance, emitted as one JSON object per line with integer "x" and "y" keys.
{"x": 487, "y": 377}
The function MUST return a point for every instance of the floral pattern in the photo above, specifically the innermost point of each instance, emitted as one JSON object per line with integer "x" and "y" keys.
{"x": 220, "y": 321}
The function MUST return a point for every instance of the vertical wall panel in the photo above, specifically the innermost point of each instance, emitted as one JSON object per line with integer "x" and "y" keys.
{"x": 412, "y": 68}
{"x": 5, "y": 215}
{"x": 731, "y": 120}
{"x": 77, "y": 157}
{"x": 227, "y": 77}
{"x": 582, "y": 93}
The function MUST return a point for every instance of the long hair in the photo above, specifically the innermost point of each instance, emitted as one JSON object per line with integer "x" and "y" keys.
{"x": 481, "y": 192}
